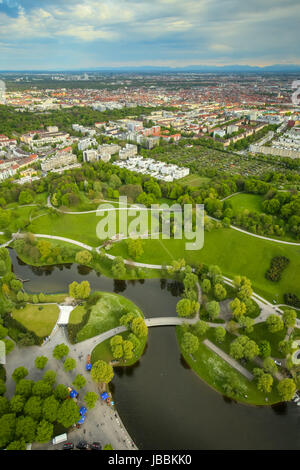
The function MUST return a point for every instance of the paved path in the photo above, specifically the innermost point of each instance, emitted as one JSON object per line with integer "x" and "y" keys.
{"x": 236, "y": 365}
{"x": 257, "y": 236}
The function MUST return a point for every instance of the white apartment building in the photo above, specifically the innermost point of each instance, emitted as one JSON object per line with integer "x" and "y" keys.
{"x": 59, "y": 160}
{"x": 128, "y": 151}
{"x": 90, "y": 156}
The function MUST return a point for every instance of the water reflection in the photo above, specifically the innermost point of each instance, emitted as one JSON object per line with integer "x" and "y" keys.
{"x": 161, "y": 401}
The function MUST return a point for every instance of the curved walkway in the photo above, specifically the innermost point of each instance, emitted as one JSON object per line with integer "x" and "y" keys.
{"x": 284, "y": 242}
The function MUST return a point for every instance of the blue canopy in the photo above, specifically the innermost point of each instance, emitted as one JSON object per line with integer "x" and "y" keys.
{"x": 82, "y": 419}
{"x": 82, "y": 410}
{"x": 88, "y": 367}
{"x": 73, "y": 393}
{"x": 104, "y": 396}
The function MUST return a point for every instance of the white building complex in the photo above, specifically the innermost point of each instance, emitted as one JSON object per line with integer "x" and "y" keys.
{"x": 59, "y": 160}
{"x": 149, "y": 166}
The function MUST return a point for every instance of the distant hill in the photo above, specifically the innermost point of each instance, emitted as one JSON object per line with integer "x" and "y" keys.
{"x": 276, "y": 68}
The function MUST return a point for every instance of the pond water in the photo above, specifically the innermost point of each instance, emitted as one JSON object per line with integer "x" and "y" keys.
{"x": 163, "y": 404}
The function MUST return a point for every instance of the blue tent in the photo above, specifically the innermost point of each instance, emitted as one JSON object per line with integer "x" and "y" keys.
{"x": 104, "y": 396}
{"x": 73, "y": 394}
{"x": 82, "y": 410}
{"x": 88, "y": 367}
{"x": 82, "y": 419}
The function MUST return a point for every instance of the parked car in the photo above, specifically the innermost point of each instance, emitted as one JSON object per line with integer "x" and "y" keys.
{"x": 278, "y": 363}
{"x": 82, "y": 445}
{"x": 96, "y": 446}
{"x": 68, "y": 446}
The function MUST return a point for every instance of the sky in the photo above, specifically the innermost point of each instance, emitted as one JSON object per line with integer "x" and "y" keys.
{"x": 70, "y": 34}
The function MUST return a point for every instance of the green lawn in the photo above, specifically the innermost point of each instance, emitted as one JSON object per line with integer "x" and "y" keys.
{"x": 235, "y": 253}
{"x": 216, "y": 372}
{"x": 194, "y": 180}
{"x": 106, "y": 314}
{"x": 261, "y": 332}
{"x": 80, "y": 227}
{"x": 242, "y": 202}
{"x": 38, "y": 318}
{"x": 77, "y": 314}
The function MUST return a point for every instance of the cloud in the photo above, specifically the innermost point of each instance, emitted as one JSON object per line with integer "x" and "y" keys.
{"x": 199, "y": 31}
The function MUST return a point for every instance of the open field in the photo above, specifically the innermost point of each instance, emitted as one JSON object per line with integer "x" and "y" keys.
{"x": 242, "y": 202}
{"x": 235, "y": 253}
{"x": 194, "y": 180}
{"x": 38, "y": 318}
{"x": 105, "y": 315}
{"x": 80, "y": 227}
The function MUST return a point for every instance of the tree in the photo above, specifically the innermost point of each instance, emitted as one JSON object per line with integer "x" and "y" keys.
{"x": 3, "y": 332}
{"x": 270, "y": 366}
{"x": 60, "y": 351}
{"x": 139, "y": 327}
{"x": 40, "y": 362}
{"x": 41, "y": 389}
{"x": 17, "y": 445}
{"x": 50, "y": 409}
{"x": 135, "y": 247}
{"x": 243, "y": 347}
{"x": 274, "y": 323}
{"x": 19, "y": 373}
{"x": 251, "y": 350}
{"x": 286, "y": 389}
{"x": 69, "y": 364}
{"x": 49, "y": 377}
{"x": 220, "y": 334}
{"x": 246, "y": 324}
{"x": 264, "y": 348}
{"x": 91, "y": 399}
{"x": 244, "y": 287}
{"x": 68, "y": 413}
{"x": 289, "y": 318}
{"x": 61, "y": 392}
{"x": 285, "y": 346}
{"x": 102, "y": 372}
{"x": 17, "y": 403}
{"x": 24, "y": 387}
{"x": 83, "y": 257}
{"x": 25, "y": 197}
{"x": 183, "y": 308}
{"x": 190, "y": 343}
{"x": 206, "y": 286}
{"x": 7, "y": 429}
{"x": 26, "y": 428}
{"x": 118, "y": 267}
{"x": 220, "y": 291}
{"x": 9, "y": 346}
{"x": 4, "y": 406}
{"x": 200, "y": 328}
{"x": 2, "y": 387}
{"x": 79, "y": 381}
{"x": 264, "y": 381}
{"x": 213, "y": 309}
{"x": 238, "y": 308}
{"x": 33, "y": 407}
{"x": 44, "y": 431}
